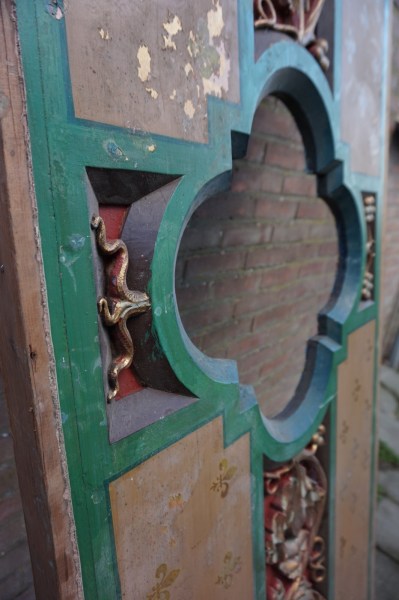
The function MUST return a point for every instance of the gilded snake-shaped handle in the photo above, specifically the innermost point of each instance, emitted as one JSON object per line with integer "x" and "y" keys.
{"x": 119, "y": 304}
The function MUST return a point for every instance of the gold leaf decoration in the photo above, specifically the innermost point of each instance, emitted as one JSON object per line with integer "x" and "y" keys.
{"x": 159, "y": 591}
{"x": 221, "y": 483}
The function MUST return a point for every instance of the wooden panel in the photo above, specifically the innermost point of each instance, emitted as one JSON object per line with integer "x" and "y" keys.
{"x": 362, "y": 82}
{"x": 182, "y": 520}
{"x": 26, "y": 355}
{"x": 353, "y": 464}
{"x": 150, "y": 66}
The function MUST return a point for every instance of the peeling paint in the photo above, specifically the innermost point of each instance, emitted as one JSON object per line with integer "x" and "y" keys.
{"x": 55, "y": 10}
{"x": 114, "y": 150}
{"x": 193, "y": 47}
{"x": 172, "y": 28}
{"x": 188, "y": 69}
{"x": 189, "y": 109}
{"x": 215, "y": 21}
{"x": 153, "y": 93}
{"x": 151, "y": 148}
{"x": 173, "y": 95}
{"x": 104, "y": 34}
{"x": 144, "y": 58}
{"x": 219, "y": 80}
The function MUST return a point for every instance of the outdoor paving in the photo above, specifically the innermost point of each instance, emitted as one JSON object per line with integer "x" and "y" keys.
{"x": 387, "y": 518}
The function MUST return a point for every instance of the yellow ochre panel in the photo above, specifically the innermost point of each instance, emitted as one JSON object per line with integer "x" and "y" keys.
{"x": 353, "y": 464}
{"x": 182, "y": 521}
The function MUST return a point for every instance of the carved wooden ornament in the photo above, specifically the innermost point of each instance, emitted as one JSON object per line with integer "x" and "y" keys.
{"x": 119, "y": 304}
{"x": 295, "y": 496}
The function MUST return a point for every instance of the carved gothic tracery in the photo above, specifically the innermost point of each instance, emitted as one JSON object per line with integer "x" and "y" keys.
{"x": 297, "y": 18}
{"x": 119, "y": 304}
{"x": 295, "y": 496}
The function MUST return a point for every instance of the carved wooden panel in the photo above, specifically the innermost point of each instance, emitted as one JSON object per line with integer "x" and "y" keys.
{"x": 182, "y": 520}
{"x": 353, "y": 466}
{"x": 151, "y": 66}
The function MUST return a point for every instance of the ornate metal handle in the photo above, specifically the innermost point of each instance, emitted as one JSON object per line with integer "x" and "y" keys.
{"x": 119, "y": 303}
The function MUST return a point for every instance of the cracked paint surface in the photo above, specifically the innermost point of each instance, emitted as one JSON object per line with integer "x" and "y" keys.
{"x": 161, "y": 64}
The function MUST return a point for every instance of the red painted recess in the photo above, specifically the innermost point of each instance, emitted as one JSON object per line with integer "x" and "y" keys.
{"x": 114, "y": 216}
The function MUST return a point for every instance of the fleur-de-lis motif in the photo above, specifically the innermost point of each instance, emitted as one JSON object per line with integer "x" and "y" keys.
{"x": 158, "y": 591}
{"x": 344, "y": 432}
{"x": 356, "y": 390}
{"x": 231, "y": 566}
{"x": 221, "y": 483}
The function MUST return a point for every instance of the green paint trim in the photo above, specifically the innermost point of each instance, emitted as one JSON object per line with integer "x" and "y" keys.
{"x": 62, "y": 147}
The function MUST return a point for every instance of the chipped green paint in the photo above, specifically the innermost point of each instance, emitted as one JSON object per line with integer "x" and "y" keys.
{"x": 62, "y": 146}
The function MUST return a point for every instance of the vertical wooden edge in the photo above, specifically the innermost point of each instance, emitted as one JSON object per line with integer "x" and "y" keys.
{"x": 26, "y": 353}
{"x": 381, "y": 327}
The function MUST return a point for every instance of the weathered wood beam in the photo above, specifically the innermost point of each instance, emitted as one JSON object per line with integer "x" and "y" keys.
{"x": 26, "y": 357}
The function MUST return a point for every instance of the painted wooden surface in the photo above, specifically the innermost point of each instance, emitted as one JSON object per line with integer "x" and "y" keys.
{"x": 152, "y": 78}
{"x": 26, "y": 353}
{"x": 362, "y": 91}
{"x": 187, "y": 512}
{"x": 68, "y": 138}
{"x": 354, "y": 450}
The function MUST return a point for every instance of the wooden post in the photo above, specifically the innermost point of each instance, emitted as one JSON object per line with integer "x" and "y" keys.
{"x": 26, "y": 355}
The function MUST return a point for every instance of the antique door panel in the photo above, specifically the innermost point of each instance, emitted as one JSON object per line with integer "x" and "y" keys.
{"x": 181, "y": 488}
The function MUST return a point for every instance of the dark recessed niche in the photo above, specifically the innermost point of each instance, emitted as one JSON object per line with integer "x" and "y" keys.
{"x": 132, "y": 204}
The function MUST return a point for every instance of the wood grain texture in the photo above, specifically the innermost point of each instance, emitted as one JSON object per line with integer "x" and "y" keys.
{"x": 25, "y": 351}
{"x": 189, "y": 508}
{"x": 353, "y": 466}
{"x": 151, "y": 66}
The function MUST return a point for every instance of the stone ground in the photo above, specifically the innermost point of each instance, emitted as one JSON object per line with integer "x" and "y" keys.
{"x": 387, "y": 523}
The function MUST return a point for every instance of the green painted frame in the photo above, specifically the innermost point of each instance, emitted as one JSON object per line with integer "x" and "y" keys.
{"x": 62, "y": 147}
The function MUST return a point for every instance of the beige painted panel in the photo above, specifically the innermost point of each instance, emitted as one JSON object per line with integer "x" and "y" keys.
{"x": 150, "y": 66}
{"x": 354, "y": 454}
{"x": 361, "y": 82}
{"x": 182, "y": 521}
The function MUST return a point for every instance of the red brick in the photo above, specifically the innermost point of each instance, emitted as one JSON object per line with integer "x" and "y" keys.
{"x": 278, "y": 276}
{"x": 214, "y": 263}
{"x": 285, "y": 156}
{"x": 279, "y": 124}
{"x": 300, "y": 185}
{"x": 312, "y": 269}
{"x": 292, "y": 232}
{"x": 236, "y": 286}
{"x": 270, "y": 256}
{"x": 195, "y": 238}
{"x": 256, "y": 149}
{"x": 316, "y": 209}
{"x": 327, "y": 249}
{"x": 242, "y": 236}
{"x": 275, "y": 208}
{"x": 323, "y": 232}
{"x": 189, "y": 296}
{"x": 210, "y": 315}
{"x": 225, "y": 206}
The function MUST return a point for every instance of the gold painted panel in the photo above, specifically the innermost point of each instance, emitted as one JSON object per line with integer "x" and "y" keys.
{"x": 150, "y": 66}
{"x": 182, "y": 521}
{"x": 353, "y": 466}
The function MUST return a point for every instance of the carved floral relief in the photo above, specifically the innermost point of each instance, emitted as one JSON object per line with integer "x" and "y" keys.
{"x": 295, "y": 496}
{"x": 297, "y": 18}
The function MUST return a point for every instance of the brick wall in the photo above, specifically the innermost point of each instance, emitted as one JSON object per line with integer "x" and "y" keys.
{"x": 257, "y": 263}
{"x": 390, "y": 273}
